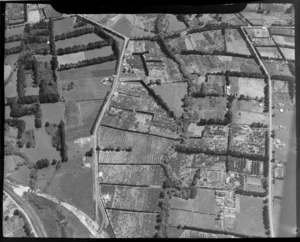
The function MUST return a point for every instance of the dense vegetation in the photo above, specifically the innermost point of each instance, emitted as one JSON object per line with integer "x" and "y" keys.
{"x": 17, "y": 123}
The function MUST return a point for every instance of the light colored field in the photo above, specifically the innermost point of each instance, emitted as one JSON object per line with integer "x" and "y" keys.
{"x": 284, "y": 40}
{"x": 249, "y": 221}
{"x": 271, "y": 52}
{"x": 34, "y": 16}
{"x": 172, "y": 95}
{"x": 7, "y": 70}
{"x": 12, "y": 44}
{"x": 72, "y": 114}
{"x": 71, "y": 58}
{"x": 195, "y": 129}
{"x": 173, "y": 24}
{"x": 244, "y": 117}
{"x": 251, "y": 87}
{"x": 123, "y": 26}
{"x": 11, "y": 87}
{"x": 235, "y": 43}
{"x": 288, "y": 53}
{"x": 104, "y": 51}
{"x": 80, "y": 40}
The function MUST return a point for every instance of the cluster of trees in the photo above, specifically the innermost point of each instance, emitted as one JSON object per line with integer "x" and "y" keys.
{"x": 251, "y": 193}
{"x": 38, "y": 116}
{"x": 258, "y": 125}
{"x": 110, "y": 148}
{"x": 75, "y": 33}
{"x": 163, "y": 216}
{"x": 80, "y": 22}
{"x": 43, "y": 163}
{"x": 39, "y": 25}
{"x": 13, "y": 38}
{"x": 215, "y": 52}
{"x": 51, "y": 39}
{"x": 17, "y": 123}
{"x": 182, "y": 18}
{"x": 13, "y": 50}
{"x": 17, "y": 110}
{"x": 59, "y": 141}
{"x": 193, "y": 149}
{"x": 78, "y": 48}
{"x": 266, "y": 221}
{"x": 266, "y": 92}
{"x": 89, "y": 62}
{"x": 35, "y": 39}
{"x": 21, "y": 81}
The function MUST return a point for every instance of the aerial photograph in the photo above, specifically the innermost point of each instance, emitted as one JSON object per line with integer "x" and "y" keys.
{"x": 147, "y": 125}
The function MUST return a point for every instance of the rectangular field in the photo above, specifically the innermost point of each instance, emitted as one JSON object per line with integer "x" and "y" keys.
{"x": 80, "y": 40}
{"x": 270, "y": 52}
{"x": 131, "y": 174}
{"x": 288, "y": 53}
{"x": 235, "y": 43}
{"x": 145, "y": 148}
{"x": 72, "y": 114}
{"x": 252, "y": 87}
{"x": 143, "y": 199}
{"x": 132, "y": 224}
{"x": 284, "y": 40}
{"x": 276, "y": 67}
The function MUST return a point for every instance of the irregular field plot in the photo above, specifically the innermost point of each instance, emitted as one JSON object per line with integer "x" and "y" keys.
{"x": 88, "y": 111}
{"x": 172, "y": 94}
{"x": 208, "y": 41}
{"x": 288, "y": 53}
{"x": 247, "y": 105}
{"x": 249, "y": 221}
{"x": 80, "y": 40}
{"x": 85, "y": 89}
{"x": 14, "y": 31}
{"x": 131, "y": 198}
{"x": 123, "y": 26}
{"x": 235, "y": 43}
{"x": 284, "y": 40}
{"x": 52, "y": 112}
{"x": 66, "y": 25}
{"x": 132, "y": 174}
{"x": 172, "y": 24}
{"x": 10, "y": 89}
{"x": 252, "y": 87}
{"x": 20, "y": 176}
{"x": 145, "y": 148}
{"x": 270, "y": 52}
{"x": 71, "y": 175}
{"x": 132, "y": 224}
{"x": 282, "y": 31}
{"x": 93, "y": 71}
{"x": 210, "y": 107}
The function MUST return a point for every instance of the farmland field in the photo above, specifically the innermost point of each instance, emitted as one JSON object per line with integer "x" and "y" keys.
{"x": 145, "y": 148}
{"x": 249, "y": 221}
{"x": 202, "y": 64}
{"x": 70, "y": 175}
{"x": 85, "y": 89}
{"x": 52, "y": 112}
{"x": 210, "y": 107}
{"x": 88, "y": 111}
{"x": 288, "y": 53}
{"x": 93, "y": 71}
{"x": 282, "y": 31}
{"x": 11, "y": 87}
{"x": 235, "y": 43}
{"x": 143, "y": 199}
{"x": 247, "y": 105}
{"x": 252, "y": 87}
{"x": 132, "y": 174}
{"x": 66, "y": 25}
{"x": 132, "y": 224}
{"x": 208, "y": 41}
{"x": 12, "y": 44}
{"x": 80, "y": 40}
{"x": 123, "y": 26}
{"x": 14, "y": 31}
{"x": 72, "y": 114}
{"x": 270, "y": 52}
{"x": 284, "y": 40}
{"x": 172, "y": 94}
{"x": 277, "y": 68}
{"x": 172, "y": 24}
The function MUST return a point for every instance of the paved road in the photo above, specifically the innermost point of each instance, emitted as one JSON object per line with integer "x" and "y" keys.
{"x": 32, "y": 217}
{"x": 99, "y": 202}
{"x": 270, "y": 197}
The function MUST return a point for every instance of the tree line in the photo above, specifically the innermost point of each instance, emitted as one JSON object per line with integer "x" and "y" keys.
{"x": 13, "y": 38}
{"x": 78, "y": 48}
{"x": 13, "y": 50}
{"x": 17, "y": 123}
{"x": 59, "y": 141}
{"x": 74, "y": 33}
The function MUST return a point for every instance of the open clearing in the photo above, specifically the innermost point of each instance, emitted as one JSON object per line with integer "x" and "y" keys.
{"x": 270, "y": 52}
{"x": 172, "y": 94}
{"x": 249, "y": 221}
{"x": 288, "y": 53}
{"x": 123, "y": 26}
{"x": 275, "y": 67}
{"x": 244, "y": 117}
{"x": 235, "y": 43}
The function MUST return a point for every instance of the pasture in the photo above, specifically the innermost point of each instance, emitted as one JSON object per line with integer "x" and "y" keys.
{"x": 249, "y": 117}
{"x": 21, "y": 176}
{"x": 210, "y": 107}
{"x": 123, "y": 26}
{"x": 284, "y": 40}
{"x": 276, "y": 67}
{"x": 52, "y": 112}
{"x": 173, "y": 24}
{"x": 72, "y": 114}
{"x": 282, "y": 31}
{"x": 252, "y": 87}
{"x": 66, "y": 25}
{"x": 288, "y": 53}
{"x": 14, "y": 31}
{"x": 80, "y": 40}
{"x": 249, "y": 221}
{"x": 270, "y": 52}
{"x": 235, "y": 43}
{"x": 172, "y": 94}
{"x": 12, "y": 44}
{"x": 145, "y": 148}
{"x": 10, "y": 89}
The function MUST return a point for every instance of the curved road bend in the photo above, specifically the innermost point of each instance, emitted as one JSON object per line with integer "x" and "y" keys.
{"x": 98, "y": 198}
{"x": 30, "y": 214}
{"x": 270, "y": 197}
